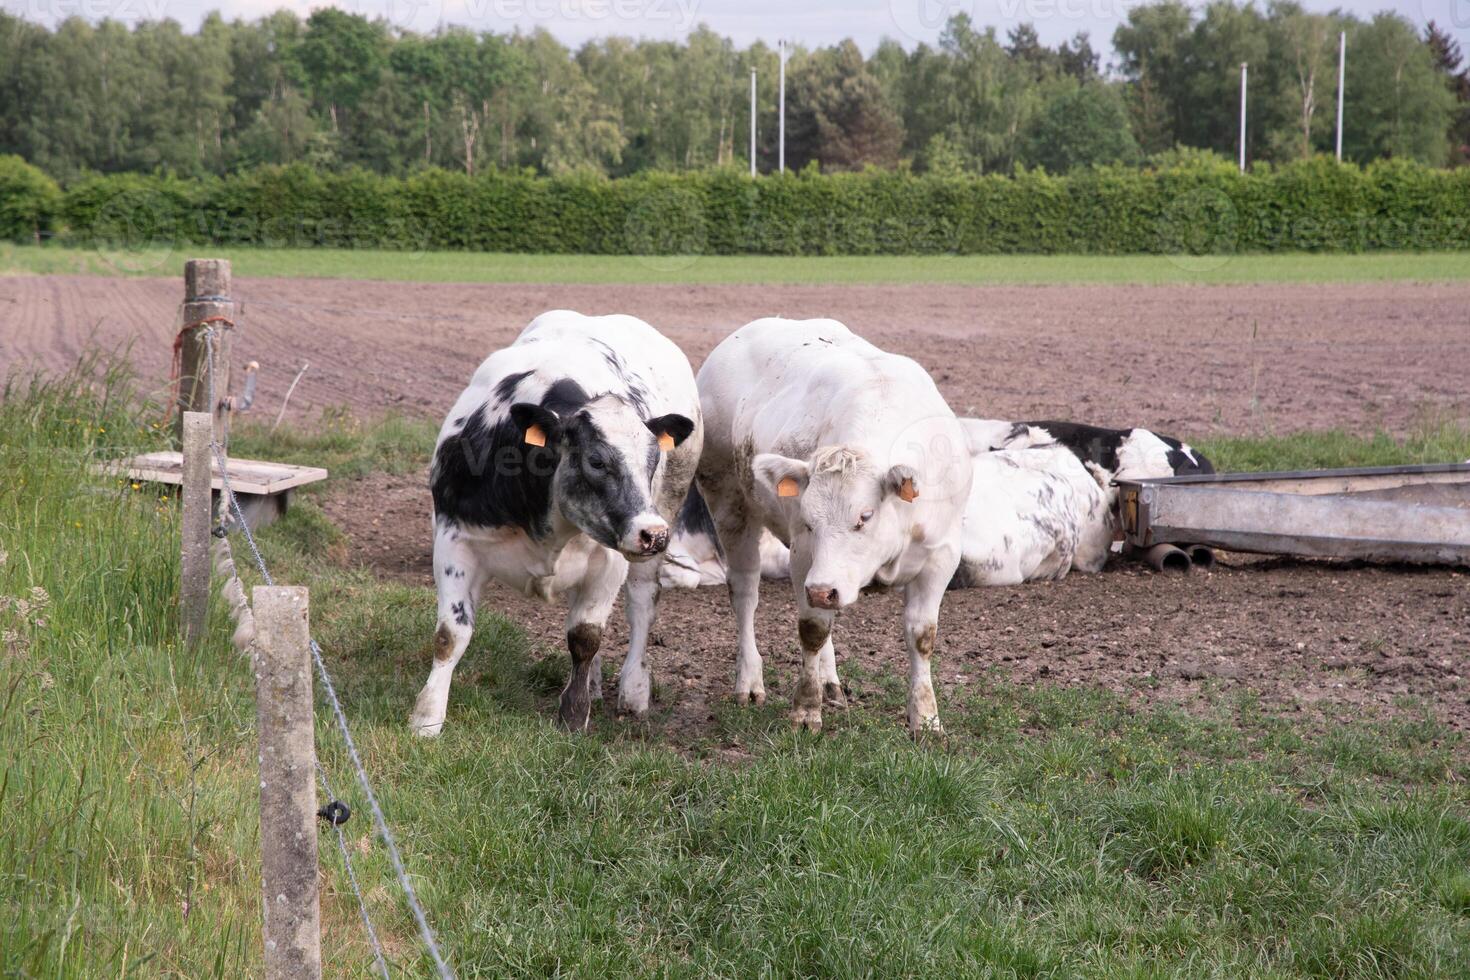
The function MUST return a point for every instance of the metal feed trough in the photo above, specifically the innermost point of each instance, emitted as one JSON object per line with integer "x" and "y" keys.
{"x": 1415, "y": 514}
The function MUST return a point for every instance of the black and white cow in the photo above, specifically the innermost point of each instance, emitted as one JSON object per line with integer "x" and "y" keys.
{"x": 565, "y": 460}
{"x": 1120, "y": 454}
{"x": 850, "y": 456}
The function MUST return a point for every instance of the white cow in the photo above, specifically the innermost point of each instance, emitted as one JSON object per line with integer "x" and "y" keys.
{"x": 565, "y": 459}
{"x": 850, "y": 457}
{"x": 1033, "y": 514}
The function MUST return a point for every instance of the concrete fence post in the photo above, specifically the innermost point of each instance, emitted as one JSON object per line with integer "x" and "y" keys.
{"x": 288, "y": 844}
{"x": 194, "y": 567}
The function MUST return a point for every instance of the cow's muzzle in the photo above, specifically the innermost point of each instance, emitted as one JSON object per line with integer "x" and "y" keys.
{"x": 823, "y": 597}
{"x": 651, "y": 541}
{"x": 646, "y": 541}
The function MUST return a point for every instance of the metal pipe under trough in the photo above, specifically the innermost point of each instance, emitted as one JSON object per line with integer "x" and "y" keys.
{"x": 1167, "y": 558}
{"x": 1201, "y": 557}
{"x": 1415, "y": 514}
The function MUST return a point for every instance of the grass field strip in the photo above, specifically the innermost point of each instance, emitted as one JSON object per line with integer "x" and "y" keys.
{"x": 426, "y": 932}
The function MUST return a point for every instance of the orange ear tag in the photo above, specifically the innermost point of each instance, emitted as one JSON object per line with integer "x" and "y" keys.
{"x": 534, "y": 435}
{"x": 787, "y": 488}
{"x": 906, "y": 490}
{"x": 665, "y": 442}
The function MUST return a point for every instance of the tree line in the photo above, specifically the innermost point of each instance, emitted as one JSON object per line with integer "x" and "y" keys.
{"x": 337, "y": 90}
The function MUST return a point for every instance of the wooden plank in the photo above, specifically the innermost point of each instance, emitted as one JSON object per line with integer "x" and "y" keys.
{"x": 246, "y": 475}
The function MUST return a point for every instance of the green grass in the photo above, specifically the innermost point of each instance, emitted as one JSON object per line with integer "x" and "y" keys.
{"x": 1436, "y": 442}
{"x": 1055, "y": 833}
{"x": 966, "y": 269}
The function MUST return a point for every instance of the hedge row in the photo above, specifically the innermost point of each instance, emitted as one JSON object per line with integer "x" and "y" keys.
{"x": 1202, "y": 206}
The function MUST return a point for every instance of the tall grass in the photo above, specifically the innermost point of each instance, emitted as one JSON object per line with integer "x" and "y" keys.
{"x": 127, "y": 835}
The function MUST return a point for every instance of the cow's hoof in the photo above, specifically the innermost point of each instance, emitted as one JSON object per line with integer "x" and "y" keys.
{"x": 806, "y": 719}
{"x": 632, "y": 708}
{"x": 756, "y": 696}
{"x": 574, "y": 713}
{"x": 926, "y": 727}
{"x": 426, "y": 724}
{"x": 426, "y": 730}
{"x": 833, "y": 696}
{"x": 635, "y": 695}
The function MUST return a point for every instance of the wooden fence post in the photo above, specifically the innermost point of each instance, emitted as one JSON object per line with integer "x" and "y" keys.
{"x": 206, "y": 295}
{"x": 194, "y": 568}
{"x": 288, "y": 845}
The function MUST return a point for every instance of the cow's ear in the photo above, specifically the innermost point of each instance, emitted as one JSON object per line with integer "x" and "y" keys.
{"x": 902, "y": 481}
{"x": 670, "y": 427}
{"x": 538, "y": 426}
{"x": 781, "y": 476}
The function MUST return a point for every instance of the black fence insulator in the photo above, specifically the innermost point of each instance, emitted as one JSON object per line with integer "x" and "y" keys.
{"x": 335, "y": 813}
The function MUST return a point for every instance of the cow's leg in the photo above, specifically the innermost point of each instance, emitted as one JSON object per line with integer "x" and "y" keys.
{"x": 742, "y": 544}
{"x": 457, "y": 578}
{"x": 814, "y": 630}
{"x": 635, "y": 686}
{"x": 827, "y": 671}
{"x": 590, "y": 601}
{"x": 922, "y": 598}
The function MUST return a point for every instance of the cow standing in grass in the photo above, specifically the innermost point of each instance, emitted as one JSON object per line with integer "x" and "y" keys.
{"x": 559, "y": 471}
{"x": 850, "y": 457}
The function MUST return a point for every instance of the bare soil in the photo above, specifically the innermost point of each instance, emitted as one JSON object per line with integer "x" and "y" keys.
{"x": 1331, "y": 640}
{"x": 1189, "y": 360}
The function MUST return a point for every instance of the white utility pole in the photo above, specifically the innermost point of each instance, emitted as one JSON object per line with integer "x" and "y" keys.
{"x": 752, "y": 122}
{"x": 1341, "y": 67}
{"x": 781, "y": 142}
{"x": 1242, "y": 116}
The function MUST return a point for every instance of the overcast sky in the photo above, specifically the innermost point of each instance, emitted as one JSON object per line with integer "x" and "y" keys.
{"x": 809, "y": 22}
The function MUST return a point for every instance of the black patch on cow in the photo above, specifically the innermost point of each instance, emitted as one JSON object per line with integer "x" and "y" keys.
{"x": 695, "y": 519}
{"x": 1089, "y": 443}
{"x": 564, "y": 396}
{"x": 505, "y": 388}
{"x": 488, "y": 476}
{"x": 1180, "y": 462}
{"x": 462, "y": 614}
{"x": 597, "y": 470}
{"x": 634, "y": 390}
{"x": 1094, "y": 444}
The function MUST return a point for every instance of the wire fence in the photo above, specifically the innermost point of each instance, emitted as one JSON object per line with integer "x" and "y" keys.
{"x": 426, "y": 932}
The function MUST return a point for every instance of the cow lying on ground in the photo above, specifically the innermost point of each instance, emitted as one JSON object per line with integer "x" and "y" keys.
{"x": 565, "y": 459}
{"x": 851, "y": 458}
{"x": 695, "y": 557}
{"x": 1117, "y": 454}
{"x": 1033, "y": 514}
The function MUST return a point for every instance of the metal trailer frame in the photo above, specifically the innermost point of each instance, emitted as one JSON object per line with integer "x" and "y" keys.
{"x": 1417, "y": 514}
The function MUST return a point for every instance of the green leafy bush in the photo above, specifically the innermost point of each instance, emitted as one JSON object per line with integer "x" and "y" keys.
{"x": 1190, "y": 204}
{"x": 29, "y": 200}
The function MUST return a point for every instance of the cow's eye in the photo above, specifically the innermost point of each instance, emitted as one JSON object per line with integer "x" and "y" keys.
{"x": 863, "y": 518}
{"x": 596, "y": 463}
